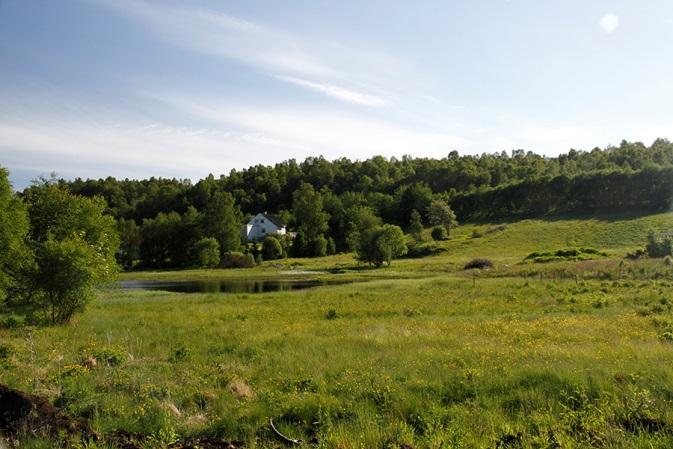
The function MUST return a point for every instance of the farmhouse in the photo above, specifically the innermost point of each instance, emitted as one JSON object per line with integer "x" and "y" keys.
{"x": 262, "y": 225}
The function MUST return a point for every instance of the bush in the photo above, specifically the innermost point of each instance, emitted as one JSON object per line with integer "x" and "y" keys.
{"x": 237, "y": 260}
{"x": 439, "y": 233}
{"x": 478, "y": 264}
{"x": 207, "y": 253}
{"x": 68, "y": 271}
{"x": 331, "y": 246}
{"x": 422, "y": 249}
{"x": 658, "y": 246}
{"x": 637, "y": 254}
{"x": 272, "y": 248}
{"x": 571, "y": 254}
{"x": 320, "y": 246}
{"x": 381, "y": 244}
{"x": 668, "y": 261}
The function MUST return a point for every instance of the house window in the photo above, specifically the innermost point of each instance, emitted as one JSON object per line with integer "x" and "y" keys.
{"x": 263, "y": 230}
{"x": 255, "y": 221}
{"x": 262, "y": 220}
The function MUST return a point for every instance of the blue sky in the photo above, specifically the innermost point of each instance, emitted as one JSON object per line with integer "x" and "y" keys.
{"x": 139, "y": 88}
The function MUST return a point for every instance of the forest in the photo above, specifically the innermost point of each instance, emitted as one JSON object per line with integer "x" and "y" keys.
{"x": 161, "y": 221}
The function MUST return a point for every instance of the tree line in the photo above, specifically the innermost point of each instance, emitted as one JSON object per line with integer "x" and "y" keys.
{"x": 167, "y": 223}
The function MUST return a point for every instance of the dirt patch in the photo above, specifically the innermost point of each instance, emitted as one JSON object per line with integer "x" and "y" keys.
{"x": 20, "y": 412}
{"x": 240, "y": 389}
{"x": 126, "y": 440}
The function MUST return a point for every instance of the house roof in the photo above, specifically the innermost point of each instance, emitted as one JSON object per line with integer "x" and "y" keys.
{"x": 275, "y": 219}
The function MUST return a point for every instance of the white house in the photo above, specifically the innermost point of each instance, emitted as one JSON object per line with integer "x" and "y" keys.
{"x": 262, "y": 225}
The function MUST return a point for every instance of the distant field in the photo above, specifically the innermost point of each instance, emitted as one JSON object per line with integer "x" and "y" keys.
{"x": 420, "y": 355}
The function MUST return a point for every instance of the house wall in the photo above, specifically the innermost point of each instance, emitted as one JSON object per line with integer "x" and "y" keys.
{"x": 259, "y": 227}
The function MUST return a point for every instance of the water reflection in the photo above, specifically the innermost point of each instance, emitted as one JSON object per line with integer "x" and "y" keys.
{"x": 227, "y": 286}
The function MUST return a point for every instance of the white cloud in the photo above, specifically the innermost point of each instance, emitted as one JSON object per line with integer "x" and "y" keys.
{"x": 316, "y": 130}
{"x": 221, "y": 35}
{"x": 220, "y": 136}
{"x": 609, "y": 23}
{"x": 340, "y": 93}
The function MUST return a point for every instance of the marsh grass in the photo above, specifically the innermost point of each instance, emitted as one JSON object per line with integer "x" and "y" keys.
{"x": 419, "y": 355}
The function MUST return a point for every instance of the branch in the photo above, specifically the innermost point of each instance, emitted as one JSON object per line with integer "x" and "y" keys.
{"x": 282, "y": 437}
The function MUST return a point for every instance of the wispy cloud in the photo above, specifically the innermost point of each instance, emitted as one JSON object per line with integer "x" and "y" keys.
{"x": 220, "y": 135}
{"x": 327, "y": 132}
{"x": 222, "y": 35}
{"x": 275, "y": 52}
{"x": 340, "y": 93}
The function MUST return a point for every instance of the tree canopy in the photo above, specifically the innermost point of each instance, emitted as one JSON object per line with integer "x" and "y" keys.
{"x": 13, "y": 233}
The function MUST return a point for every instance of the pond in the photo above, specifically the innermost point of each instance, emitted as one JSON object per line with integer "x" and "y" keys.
{"x": 229, "y": 285}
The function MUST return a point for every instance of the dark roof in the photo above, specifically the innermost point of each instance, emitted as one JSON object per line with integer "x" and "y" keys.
{"x": 275, "y": 219}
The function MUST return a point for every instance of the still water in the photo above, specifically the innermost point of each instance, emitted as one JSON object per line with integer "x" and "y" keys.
{"x": 228, "y": 285}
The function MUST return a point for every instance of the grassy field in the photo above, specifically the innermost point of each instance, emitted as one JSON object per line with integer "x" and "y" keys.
{"x": 418, "y": 355}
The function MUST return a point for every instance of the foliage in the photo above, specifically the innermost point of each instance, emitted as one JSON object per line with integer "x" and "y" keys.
{"x": 237, "y": 260}
{"x": 565, "y": 254}
{"x": 310, "y": 222}
{"x": 207, "y": 252}
{"x": 658, "y": 246}
{"x": 381, "y": 244}
{"x": 331, "y": 246}
{"x": 417, "y": 248}
{"x": 630, "y": 177}
{"x": 415, "y": 225}
{"x": 222, "y": 219}
{"x": 360, "y": 219}
{"x": 74, "y": 245}
{"x": 439, "y": 233}
{"x": 440, "y": 214}
{"x": 14, "y": 255}
{"x": 68, "y": 271}
{"x": 272, "y": 249}
{"x": 479, "y": 264}
{"x": 129, "y": 253}
{"x": 420, "y": 355}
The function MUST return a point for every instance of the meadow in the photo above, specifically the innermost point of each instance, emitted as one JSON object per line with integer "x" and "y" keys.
{"x": 421, "y": 354}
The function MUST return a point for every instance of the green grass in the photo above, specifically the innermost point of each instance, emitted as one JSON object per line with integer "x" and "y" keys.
{"x": 421, "y": 354}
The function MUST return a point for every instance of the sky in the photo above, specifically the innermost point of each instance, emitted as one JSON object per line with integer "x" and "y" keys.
{"x": 140, "y": 88}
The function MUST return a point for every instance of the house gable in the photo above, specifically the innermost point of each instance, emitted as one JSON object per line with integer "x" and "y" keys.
{"x": 262, "y": 225}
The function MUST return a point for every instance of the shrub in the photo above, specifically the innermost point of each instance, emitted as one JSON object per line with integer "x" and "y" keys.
{"x": 320, "y": 246}
{"x": 237, "y": 260}
{"x": 68, "y": 271}
{"x": 479, "y": 264}
{"x": 422, "y": 249}
{"x": 439, "y": 233}
{"x": 381, "y": 244}
{"x": 272, "y": 248}
{"x": 657, "y": 246}
{"x": 331, "y": 246}
{"x": 637, "y": 254}
{"x": 207, "y": 253}
{"x": 570, "y": 254}
{"x": 111, "y": 356}
{"x": 5, "y": 353}
{"x": 668, "y": 261}
{"x": 331, "y": 314}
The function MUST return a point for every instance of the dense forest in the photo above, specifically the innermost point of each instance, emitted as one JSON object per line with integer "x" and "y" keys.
{"x": 161, "y": 220}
